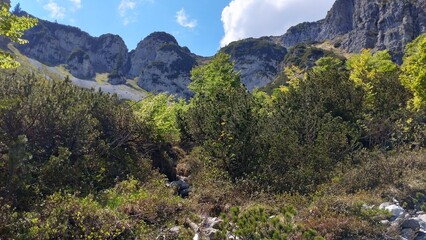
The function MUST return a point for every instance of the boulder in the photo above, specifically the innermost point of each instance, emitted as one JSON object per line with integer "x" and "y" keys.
{"x": 420, "y": 236}
{"x": 175, "y": 230}
{"x": 411, "y": 223}
{"x": 210, "y": 233}
{"x": 211, "y": 222}
{"x": 408, "y": 233}
{"x": 396, "y": 210}
{"x": 182, "y": 187}
{"x": 422, "y": 221}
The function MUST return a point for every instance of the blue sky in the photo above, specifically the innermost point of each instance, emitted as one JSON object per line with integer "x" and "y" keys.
{"x": 202, "y": 25}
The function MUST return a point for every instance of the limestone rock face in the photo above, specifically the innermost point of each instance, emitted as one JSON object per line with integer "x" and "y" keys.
{"x": 80, "y": 65}
{"x": 162, "y": 65}
{"x": 109, "y": 53}
{"x": 257, "y": 60}
{"x": 158, "y": 62}
{"x": 147, "y": 49}
{"x": 356, "y": 24}
{"x": 55, "y": 44}
{"x": 52, "y": 43}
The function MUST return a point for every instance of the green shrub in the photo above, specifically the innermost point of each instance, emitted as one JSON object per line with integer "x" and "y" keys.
{"x": 262, "y": 223}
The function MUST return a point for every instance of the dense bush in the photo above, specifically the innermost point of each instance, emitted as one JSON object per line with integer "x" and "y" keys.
{"x": 55, "y": 136}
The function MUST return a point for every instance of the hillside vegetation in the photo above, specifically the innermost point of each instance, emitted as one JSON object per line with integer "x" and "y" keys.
{"x": 312, "y": 160}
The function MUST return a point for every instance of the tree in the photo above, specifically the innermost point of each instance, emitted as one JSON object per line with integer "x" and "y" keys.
{"x": 377, "y": 76}
{"x": 221, "y": 116}
{"x": 413, "y": 75}
{"x": 17, "y": 9}
{"x": 308, "y": 129}
{"x": 383, "y": 96}
{"x": 217, "y": 76}
{"x": 161, "y": 111}
{"x": 12, "y": 27}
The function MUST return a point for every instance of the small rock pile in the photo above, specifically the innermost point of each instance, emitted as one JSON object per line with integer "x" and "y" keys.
{"x": 410, "y": 224}
{"x": 182, "y": 186}
{"x": 207, "y": 229}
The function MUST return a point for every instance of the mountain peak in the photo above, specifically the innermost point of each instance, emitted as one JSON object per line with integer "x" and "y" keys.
{"x": 161, "y": 37}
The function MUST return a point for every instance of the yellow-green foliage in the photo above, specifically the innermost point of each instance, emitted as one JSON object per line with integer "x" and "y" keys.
{"x": 414, "y": 71}
{"x": 161, "y": 112}
{"x": 12, "y": 27}
{"x": 214, "y": 77}
{"x": 372, "y": 72}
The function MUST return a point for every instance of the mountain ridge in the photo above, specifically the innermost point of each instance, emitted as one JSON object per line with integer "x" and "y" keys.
{"x": 353, "y": 25}
{"x": 160, "y": 64}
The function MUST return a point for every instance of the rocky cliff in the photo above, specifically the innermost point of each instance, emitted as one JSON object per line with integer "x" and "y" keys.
{"x": 356, "y": 24}
{"x": 257, "y": 60}
{"x": 83, "y": 55}
{"x": 158, "y": 62}
{"x": 161, "y": 65}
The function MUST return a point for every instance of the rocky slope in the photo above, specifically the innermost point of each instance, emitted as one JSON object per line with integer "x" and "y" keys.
{"x": 356, "y": 24}
{"x": 158, "y": 62}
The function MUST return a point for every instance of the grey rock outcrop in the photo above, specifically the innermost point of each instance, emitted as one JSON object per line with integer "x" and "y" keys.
{"x": 55, "y": 44}
{"x": 109, "y": 53}
{"x": 356, "y": 24}
{"x": 408, "y": 223}
{"x": 158, "y": 62}
{"x": 162, "y": 65}
{"x": 394, "y": 209}
{"x": 258, "y": 61}
{"x": 80, "y": 65}
{"x": 147, "y": 49}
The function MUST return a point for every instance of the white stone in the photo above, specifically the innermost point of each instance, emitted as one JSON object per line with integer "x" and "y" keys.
{"x": 196, "y": 237}
{"x": 392, "y": 208}
{"x": 422, "y": 221}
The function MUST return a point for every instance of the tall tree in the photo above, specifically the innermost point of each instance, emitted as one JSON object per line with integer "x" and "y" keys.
{"x": 413, "y": 75}
{"x": 221, "y": 116}
{"x": 12, "y": 27}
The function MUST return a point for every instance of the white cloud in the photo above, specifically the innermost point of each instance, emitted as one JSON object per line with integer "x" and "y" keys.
{"x": 55, "y": 11}
{"x": 126, "y": 5}
{"x": 126, "y": 10}
{"x": 256, "y": 18}
{"x": 76, "y": 4}
{"x": 183, "y": 19}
